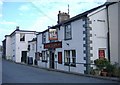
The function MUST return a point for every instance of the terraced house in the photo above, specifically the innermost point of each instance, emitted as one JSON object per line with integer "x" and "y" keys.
{"x": 73, "y": 44}
{"x": 16, "y": 45}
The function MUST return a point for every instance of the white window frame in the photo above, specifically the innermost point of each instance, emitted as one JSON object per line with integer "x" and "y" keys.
{"x": 22, "y": 35}
{"x": 43, "y": 37}
{"x": 68, "y": 32}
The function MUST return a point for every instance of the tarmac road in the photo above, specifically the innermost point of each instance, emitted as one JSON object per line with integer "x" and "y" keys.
{"x": 17, "y": 73}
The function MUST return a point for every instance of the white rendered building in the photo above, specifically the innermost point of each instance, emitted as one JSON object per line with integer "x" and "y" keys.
{"x": 16, "y": 44}
{"x": 73, "y": 44}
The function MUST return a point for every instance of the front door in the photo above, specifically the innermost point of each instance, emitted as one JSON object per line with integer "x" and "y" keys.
{"x": 52, "y": 60}
{"x": 23, "y": 56}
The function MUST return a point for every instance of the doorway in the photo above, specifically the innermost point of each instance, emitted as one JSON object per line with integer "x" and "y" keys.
{"x": 24, "y": 56}
{"x": 51, "y": 59}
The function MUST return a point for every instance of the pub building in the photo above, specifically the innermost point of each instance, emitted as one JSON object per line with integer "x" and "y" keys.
{"x": 74, "y": 43}
{"x": 61, "y": 47}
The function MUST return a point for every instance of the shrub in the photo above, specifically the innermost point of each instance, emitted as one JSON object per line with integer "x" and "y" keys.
{"x": 101, "y": 63}
{"x": 110, "y": 69}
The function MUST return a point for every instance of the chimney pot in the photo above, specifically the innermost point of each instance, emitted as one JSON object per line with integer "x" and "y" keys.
{"x": 59, "y": 12}
{"x": 17, "y": 27}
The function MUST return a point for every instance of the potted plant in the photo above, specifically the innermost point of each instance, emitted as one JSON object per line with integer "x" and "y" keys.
{"x": 101, "y": 65}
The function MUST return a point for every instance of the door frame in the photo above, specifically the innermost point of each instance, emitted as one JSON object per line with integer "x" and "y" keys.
{"x": 24, "y": 56}
{"x": 52, "y": 58}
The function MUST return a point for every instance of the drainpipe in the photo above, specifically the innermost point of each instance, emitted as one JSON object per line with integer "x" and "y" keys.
{"x": 36, "y": 46}
{"x": 108, "y": 35}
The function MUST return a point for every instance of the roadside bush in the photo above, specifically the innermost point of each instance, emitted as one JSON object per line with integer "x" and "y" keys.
{"x": 101, "y": 63}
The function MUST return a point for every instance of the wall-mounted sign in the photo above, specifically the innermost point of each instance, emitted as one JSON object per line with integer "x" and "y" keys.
{"x": 53, "y": 34}
{"x": 53, "y": 45}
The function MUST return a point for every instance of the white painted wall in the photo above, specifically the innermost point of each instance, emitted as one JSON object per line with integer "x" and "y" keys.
{"x": 113, "y": 26}
{"x": 39, "y": 43}
{"x": 40, "y": 48}
{"x": 75, "y": 44}
{"x": 99, "y": 40}
{"x": 8, "y": 47}
{"x": 32, "y": 51}
{"x": 22, "y": 45}
{"x": 14, "y": 47}
{"x": 99, "y": 31}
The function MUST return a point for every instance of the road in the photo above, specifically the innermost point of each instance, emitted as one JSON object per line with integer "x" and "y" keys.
{"x": 17, "y": 73}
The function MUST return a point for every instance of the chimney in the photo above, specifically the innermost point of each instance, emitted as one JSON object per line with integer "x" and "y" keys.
{"x": 62, "y": 17}
{"x": 17, "y": 28}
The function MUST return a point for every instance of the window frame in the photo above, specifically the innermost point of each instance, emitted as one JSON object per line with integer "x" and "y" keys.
{"x": 70, "y": 58}
{"x": 44, "y": 58}
{"x": 73, "y": 57}
{"x": 29, "y": 47}
{"x": 66, "y": 58}
{"x": 101, "y": 53}
{"x": 44, "y": 37}
{"x": 22, "y": 37}
{"x": 69, "y": 35}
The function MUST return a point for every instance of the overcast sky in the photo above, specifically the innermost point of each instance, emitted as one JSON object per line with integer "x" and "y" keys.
{"x": 37, "y": 15}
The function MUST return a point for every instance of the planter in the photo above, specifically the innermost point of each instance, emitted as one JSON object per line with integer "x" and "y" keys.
{"x": 109, "y": 74}
{"x": 103, "y": 73}
{"x": 97, "y": 72}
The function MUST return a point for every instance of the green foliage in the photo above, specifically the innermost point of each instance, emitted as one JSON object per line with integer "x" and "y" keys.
{"x": 105, "y": 65}
{"x": 101, "y": 63}
{"x": 110, "y": 68}
{"x": 116, "y": 71}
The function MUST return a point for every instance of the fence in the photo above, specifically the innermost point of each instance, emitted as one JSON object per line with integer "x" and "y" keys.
{"x": 83, "y": 68}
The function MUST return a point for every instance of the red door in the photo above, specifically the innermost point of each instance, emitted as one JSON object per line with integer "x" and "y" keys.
{"x": 60, "y": 57}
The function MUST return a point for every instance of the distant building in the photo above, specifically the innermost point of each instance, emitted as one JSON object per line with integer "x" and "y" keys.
{"x": 15, "y": 45}
{"x": 0, "y": 51}
{"x": 4, "y": 48}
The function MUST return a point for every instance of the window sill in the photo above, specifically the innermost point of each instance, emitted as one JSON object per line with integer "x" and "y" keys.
{"x": 59, "y": 62}
{"x": 22, "y": 41}
{"x": 66, "y": 64}
{"x": 43, "y": 42}
{"x": 72, "y": 64}
{"x": 68, "y": 39}
{"x": 44, "y": 61}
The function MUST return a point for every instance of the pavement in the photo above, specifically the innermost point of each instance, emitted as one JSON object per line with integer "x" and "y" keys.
{"x": 74, "y": 73}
